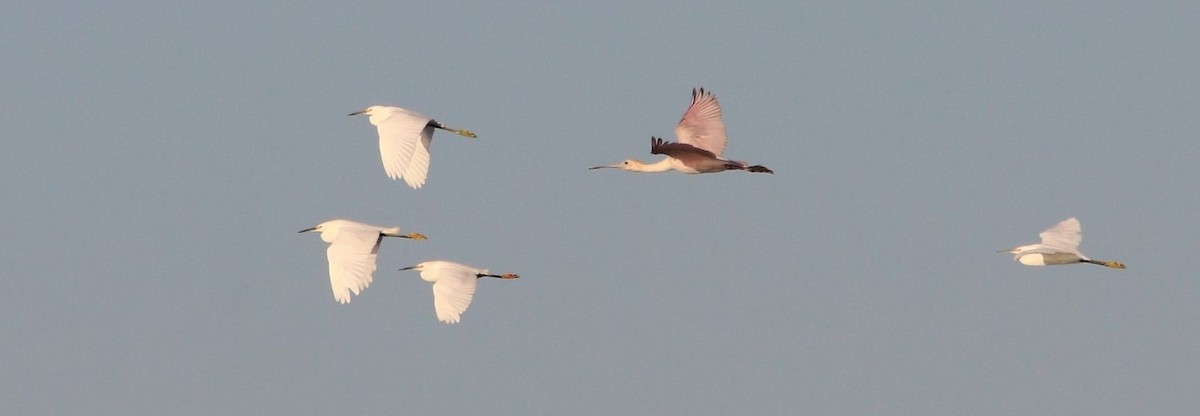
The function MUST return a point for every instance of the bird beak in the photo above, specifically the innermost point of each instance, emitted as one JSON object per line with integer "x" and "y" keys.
{"x": 308, "y": 229}
{"x": 357, "y": 113}
{"x": 1011, "y": 250}
{"x": 602, "y": 167}
{"x": 409, "y": 268}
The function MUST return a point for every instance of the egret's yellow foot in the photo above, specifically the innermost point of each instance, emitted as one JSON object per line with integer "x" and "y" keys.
{"x": 416, "y": 236}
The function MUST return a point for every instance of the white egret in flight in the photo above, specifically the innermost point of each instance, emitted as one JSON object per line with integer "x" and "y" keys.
{"x": 404, "y": 138}
{"x": 352, "y": 250}
{"x": 1060, "y": 245}
{"x": 701, "y": 135}
{"x": 453, "y": 286}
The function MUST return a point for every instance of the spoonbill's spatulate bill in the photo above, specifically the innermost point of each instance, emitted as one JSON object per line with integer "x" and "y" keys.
{"x": 453, "y": 286}
{"x": 1060, "y": 245}
{"x": 404, "y": 138}
{"x": 352, "y": 250}
{"x": 701, "y": 135}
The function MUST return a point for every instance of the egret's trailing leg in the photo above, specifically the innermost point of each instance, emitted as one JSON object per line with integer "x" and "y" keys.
{"x": 1107, "y": 263}
{"x": 498, "y": 276}
{"x": 461, "y": 132}
{"x": 395, "y": 232}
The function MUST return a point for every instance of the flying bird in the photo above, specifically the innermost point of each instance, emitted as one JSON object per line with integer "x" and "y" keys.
{"x": 352, "y": 250}
{"x": 1060, "y": 245}
{"x": 404, "y": 138}
{"x": 701, "y": 140}
{"x": 453, "y": 286}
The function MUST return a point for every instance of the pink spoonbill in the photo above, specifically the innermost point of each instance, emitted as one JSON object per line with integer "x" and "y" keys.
{"x": 701, "y": 135}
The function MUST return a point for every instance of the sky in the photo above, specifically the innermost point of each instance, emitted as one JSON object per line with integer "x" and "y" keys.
{"x": 159, "y": 158}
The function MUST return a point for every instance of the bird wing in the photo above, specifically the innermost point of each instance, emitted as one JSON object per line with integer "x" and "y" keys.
{"x": 418, "y": 165}
{"x": 352, "y": 261}
{"x": 452, "y": 292}
{"x": 404, "y": 146}
{"x": 1065, "y": 236}
{"x": 691, "y": 156}
{"x": 701, "y": 125}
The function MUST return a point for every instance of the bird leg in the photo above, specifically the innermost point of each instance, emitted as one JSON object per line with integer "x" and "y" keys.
{"x": 498, "y": 276}
{"x": 465, "y": 133}
{"x": 730, "y": 165}
{"x": 414, "y": 236}
{"x": 461, "y": 132}
{"x": 1107, "y": 263}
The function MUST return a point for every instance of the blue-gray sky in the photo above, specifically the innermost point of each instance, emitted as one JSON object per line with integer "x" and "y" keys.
{"x": 158, "y": 159}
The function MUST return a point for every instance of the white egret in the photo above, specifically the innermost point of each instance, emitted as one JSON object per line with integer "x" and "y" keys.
{"x": 404, "y": 138}
{"x": 701, "y": 135}
{"x": 1060, "y": 245}
{"x": 453, "y": 286}
{"x": 352, "y": 250}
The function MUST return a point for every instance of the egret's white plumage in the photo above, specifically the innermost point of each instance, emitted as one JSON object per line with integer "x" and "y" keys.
{"x": 353, "y": 247}
{"x": 453, "y": 286}
{"x": 404, "y": 139}
{"x": 1060, "y": 245}
{"x": 701, "y": 141}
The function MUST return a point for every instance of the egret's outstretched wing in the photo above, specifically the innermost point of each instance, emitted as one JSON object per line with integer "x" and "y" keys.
{"x": 404, "y": 139}
{"x": 701, "y": 125}
{"x": 1065, "y": 236}
{"x": 352, "y": 261}
{"x": 453, "y": 291}
{"x": 418, "y": 165}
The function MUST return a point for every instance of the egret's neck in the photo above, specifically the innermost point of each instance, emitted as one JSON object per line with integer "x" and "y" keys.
{"x": 659, "y": 166}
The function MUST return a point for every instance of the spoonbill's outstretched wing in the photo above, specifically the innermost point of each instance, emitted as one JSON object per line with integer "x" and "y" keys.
{"x": 691, "y": 156}
{"x": 701, "y": 125}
